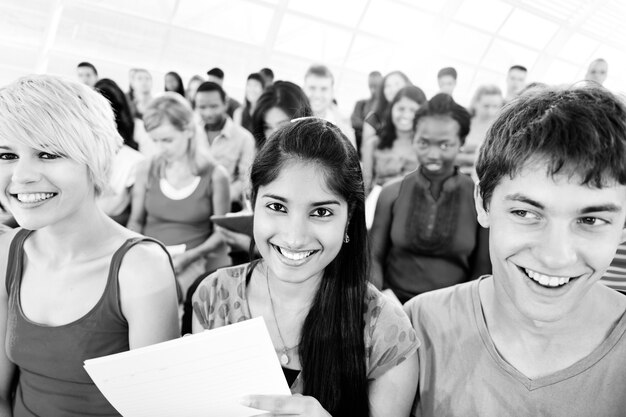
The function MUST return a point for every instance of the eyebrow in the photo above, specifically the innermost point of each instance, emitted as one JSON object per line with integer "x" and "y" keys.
{"x": 609, "y": 207}
{"x": 315, "y": 204}
{"x": 5, "y": 147}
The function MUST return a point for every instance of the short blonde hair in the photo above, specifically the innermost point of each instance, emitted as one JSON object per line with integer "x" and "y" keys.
{"x": 62, "y": 117}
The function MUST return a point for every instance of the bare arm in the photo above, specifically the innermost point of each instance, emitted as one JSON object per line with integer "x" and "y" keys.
{"x": 148, "y": 296}
{"x": 380, "y": 234}
{"x": 237, "y": 115}
{"x": 7, "y": 368}
{"x": 240, "y": 184}
{"x": 367, "y": 156}
{"x": 137, "y": 216}
{"x": 393, "y": 393}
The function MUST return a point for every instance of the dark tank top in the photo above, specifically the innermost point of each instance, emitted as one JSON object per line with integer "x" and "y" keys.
{"x": 52, "y": 381}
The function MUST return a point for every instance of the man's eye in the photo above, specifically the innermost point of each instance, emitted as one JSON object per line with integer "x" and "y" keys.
{"x": 276, "y": 207}
{"x": 592, "y": 221}
{"x": 524, "y": 214}
{"x": 322, "y": 212}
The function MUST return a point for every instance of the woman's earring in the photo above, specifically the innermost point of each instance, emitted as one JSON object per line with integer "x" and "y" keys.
{"x": 346, "y": 238}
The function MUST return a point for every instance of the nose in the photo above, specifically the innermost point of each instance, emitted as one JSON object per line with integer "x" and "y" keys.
{"x": 296, "y": 231}
{"x": 25, "y": 171}
{"x": 557, "y": 248}
{"x": 434, "y": 152}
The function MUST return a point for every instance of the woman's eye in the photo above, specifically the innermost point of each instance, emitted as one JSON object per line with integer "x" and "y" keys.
{"x": 276, "y": 207}
{"x": 8, "y": 156}
{"x": 46, "y": 155}
{"x": 322, "y": 212}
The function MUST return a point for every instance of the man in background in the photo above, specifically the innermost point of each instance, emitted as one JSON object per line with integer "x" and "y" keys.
{"x": 216, "y": 75}
{"x": 319, "y": 86}
{"x": 597, "y": 71}
{"x": 515, "y": 82}
{"x": 446, "y": 78}
{"x": 231, "y": 145}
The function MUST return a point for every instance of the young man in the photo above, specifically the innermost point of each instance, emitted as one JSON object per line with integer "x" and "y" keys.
{"x": 541, "y": 336}
{"x": 515, "y": 82}
{"x": 87, "y": 73}
{"x": 319, "y": 85}
{"x": 231, "y": 145}
{"x": 216, "y": 75}
{"x": 446, "y": 78}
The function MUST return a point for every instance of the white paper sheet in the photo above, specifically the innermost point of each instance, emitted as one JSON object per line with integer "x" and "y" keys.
{"x": 198, "y": 375}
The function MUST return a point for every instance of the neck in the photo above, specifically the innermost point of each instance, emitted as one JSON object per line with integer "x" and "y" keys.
{"x": 295, "y": 296}
{"x": 217, "y": 126}
{"x": 69, "y": 237}
{"x": 437, "y": 176}
{"x": 404, "y": 134}
{"x": 503, "y": 318}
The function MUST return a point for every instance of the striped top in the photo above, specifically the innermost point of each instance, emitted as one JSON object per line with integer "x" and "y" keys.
{"x": 615, "y": 275}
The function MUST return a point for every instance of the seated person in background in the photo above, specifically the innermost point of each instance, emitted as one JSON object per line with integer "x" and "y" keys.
{"x": 77, "y": 285}
{"x": 319, "y": 86}
{"x": 192, "y": 86}
{"x": 446, "y": 79}
{"x": 279, "y": 103}
{"x": 216, "y": 75}
{"x": 484, "y": 108}
{"x": 391, "y": 155}
{"x": 391, "y": 84}
{"x": 268, "y": 76}
{"x": 178, "y": 190}
{"x": 173, "y": 82}
{"x": 515, "y": 82}
{"x": 597, "y": 71}
{"x": 344, "y": 347}
{"x": 541, "y": 337}
{"x": 230, "y": 145}
{"x": 254, "y": 89}
{"x": 425, "y": 235}
{"x": 87, "y": 73}
{"x": 363, "y": 107}
{"x": 115, "y": 198}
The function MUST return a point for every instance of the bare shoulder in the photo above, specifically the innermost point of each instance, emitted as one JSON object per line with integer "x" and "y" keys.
{"x": 146, "y": 263}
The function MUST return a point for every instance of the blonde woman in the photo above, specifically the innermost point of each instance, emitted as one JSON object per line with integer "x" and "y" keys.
{"x": 78, "y": 285}
{"x": 178, "y": 190}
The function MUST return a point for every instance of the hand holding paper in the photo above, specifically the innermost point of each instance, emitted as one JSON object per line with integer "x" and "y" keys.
{"x": 205, "y": 374}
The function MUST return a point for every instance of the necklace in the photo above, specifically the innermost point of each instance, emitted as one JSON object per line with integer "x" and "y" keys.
{"x": 284, "y": 357}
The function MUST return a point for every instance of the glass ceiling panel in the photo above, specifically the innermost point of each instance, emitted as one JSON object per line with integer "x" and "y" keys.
{"x": 309, "y": 38}
{"x": 24, "y": 25}
{"x": 561, "y": 72}
{"x": 502, "y": 54}
{"x": 578, "y": 48}
{"x": 364, "y": 48}
{"x": 460, "y": 42}
{"x": 408, "y": 25}
{"x": 528, "y": 29}
{"x": 150, "y": 9}
{"x": 345, "y": 12}
{"x": 231, "y": 19}
{"x": 487, "y": 15}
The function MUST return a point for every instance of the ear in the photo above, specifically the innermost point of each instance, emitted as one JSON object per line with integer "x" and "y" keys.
{"x": 482, "y": 214}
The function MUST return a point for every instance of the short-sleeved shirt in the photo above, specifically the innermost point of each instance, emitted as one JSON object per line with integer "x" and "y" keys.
{"x": 462, "y": 373}
{"x": 221, "y": 300}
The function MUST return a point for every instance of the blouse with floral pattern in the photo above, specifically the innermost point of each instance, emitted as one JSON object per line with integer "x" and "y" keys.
{"x": 221, "y": 300}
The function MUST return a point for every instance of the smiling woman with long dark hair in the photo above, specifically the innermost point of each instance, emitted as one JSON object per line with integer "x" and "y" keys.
{"x": 343, "y": 346}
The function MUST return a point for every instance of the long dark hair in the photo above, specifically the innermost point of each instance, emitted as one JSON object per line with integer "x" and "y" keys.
{"x": 381, "y": 103}
{"x": 284, "y": 95}
{"x": 121, "y": 108}
{"x": 180, "y": 89}
{"x": 332, "y": 347}
{"x": 388, "y": 134}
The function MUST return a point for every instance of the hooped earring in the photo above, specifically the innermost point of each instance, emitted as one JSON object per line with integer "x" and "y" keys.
{"x": 346, "y": 238}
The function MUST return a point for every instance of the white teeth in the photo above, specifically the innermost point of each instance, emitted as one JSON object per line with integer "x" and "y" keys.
{"x": 34, "y": 197}
{"x": 295, "y": 256}
{"x": 546, "y": 280}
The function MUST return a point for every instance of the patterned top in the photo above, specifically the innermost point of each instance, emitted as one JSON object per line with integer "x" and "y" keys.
{"x": 389, "y": 338}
